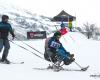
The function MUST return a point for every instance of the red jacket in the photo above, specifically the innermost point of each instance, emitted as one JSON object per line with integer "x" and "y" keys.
{"x": 63, "y": 31}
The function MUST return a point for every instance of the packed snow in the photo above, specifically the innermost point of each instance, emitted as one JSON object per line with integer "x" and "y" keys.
{"x": 86, "y": 53}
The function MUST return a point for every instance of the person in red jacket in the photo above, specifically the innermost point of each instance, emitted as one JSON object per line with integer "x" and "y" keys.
{"x": 63, "y": 29}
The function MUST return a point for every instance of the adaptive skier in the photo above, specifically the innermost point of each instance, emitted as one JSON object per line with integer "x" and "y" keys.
{"x": 55, "y": 52}
{"x": 5, "y": 28}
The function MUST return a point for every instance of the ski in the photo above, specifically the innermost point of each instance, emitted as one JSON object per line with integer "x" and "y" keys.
{"x": 46, "y": 69}
{"x": 16, "y": 62}
{"x": 12, "y": 63}
{"x": 57, "y": 70}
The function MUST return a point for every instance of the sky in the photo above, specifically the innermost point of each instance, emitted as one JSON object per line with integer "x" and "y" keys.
{"x": 84, "y": 10}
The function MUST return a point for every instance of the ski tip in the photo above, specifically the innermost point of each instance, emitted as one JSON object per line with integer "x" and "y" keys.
{"x": 85, "y": 68}
{"x": 22, "y": 62}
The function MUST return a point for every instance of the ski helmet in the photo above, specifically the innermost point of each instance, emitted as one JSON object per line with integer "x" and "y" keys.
{"x": 57, "y": 34}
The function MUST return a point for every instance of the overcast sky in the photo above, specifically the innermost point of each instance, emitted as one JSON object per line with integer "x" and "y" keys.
{"x": 84, "y": 10}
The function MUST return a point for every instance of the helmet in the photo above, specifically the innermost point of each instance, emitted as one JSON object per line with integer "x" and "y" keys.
{"x": 4, "y": 17}
{"x": 57, "y": 34}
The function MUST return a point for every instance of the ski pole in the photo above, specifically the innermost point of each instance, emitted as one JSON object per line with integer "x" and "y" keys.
{"x": 72, "y": 38}
{"x": 30, "y": 47}
{"x": 27, "y": 49}
{"x": 82, "y": 68}
{"x": 78, "y": 64}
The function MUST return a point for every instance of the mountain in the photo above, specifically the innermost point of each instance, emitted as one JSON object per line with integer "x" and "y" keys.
{"x": 23, "y": 20}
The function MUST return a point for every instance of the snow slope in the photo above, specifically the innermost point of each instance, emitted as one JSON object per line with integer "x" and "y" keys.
{"x": 86, "y": 53}
{"x": 23, "y": 20}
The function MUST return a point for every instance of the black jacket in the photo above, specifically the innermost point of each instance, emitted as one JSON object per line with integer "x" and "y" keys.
{"x": 5, "y": 28}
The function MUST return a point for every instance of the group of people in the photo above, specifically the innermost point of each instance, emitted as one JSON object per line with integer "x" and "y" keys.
{"x": 54, "y": 50}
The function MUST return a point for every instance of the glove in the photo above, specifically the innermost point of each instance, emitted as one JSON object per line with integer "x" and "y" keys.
{"x": 13, "y": 37}
{"x": 71, "y": 55}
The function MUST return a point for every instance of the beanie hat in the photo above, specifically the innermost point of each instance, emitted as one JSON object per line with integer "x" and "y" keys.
{"x": 62, "y": 25}
{"x": 4, "y": 17}
{"x": 57, "y": 34}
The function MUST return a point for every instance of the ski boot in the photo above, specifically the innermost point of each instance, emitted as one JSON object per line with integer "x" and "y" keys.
{"x": 5, "y": 61}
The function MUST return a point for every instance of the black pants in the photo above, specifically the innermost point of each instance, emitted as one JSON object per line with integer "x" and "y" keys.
{"x": 4, "y": 43}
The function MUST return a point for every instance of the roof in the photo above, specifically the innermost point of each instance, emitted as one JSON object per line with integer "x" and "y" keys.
{"x": 63, "y": 16}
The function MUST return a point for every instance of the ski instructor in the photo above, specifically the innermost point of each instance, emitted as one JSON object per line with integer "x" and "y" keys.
{"x": 5, "y": 28}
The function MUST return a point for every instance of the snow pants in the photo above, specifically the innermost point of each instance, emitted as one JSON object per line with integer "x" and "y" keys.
{"x": 63, "y": 54}
{"x": 4, "y": 43}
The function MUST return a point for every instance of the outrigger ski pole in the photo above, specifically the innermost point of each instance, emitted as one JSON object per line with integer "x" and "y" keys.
{"x": 82, "y": 68}
{"x": 31, "y": 47}
{"x": 27, "y": 50}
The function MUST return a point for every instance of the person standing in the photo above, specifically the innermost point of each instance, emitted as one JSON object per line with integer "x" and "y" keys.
{"x": 5, "y": 29}
{"x": 63, "y": 29}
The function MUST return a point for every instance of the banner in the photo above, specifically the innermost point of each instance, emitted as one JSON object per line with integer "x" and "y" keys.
{"x": 36, "y": 35}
